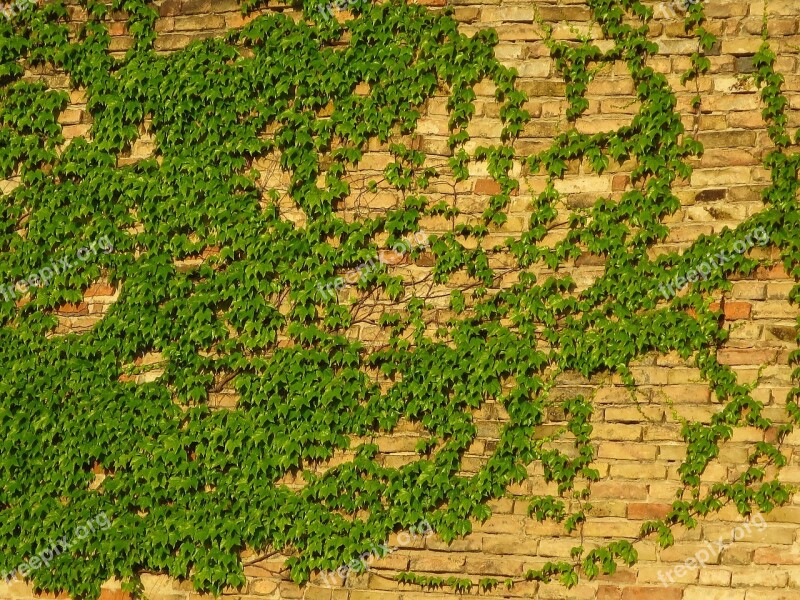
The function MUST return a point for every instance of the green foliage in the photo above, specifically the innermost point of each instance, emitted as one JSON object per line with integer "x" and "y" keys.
{"x": 188, "y": 488}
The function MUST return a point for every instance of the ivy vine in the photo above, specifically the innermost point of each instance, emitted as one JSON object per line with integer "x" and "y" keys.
{"x": 220, "y": 282}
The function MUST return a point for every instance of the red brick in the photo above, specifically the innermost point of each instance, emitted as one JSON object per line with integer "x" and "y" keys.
{"x": 620, "y": 182}
{"x": 620, "y": 576}
{"x": 73, "y": 310}
{"x": 648, "y": 510}
{"x": 487, "y": 186}
{"x": 99, "y": 289}
{"x": 774, "y": 272}
{"x": 651, "y": 593}
{"x": 609, "y": 592}
{"x": 772, "y": 555}
{"x": 390, "y": 257}
{"x": 735, "y": 311}
{"x": 114, "y": 595}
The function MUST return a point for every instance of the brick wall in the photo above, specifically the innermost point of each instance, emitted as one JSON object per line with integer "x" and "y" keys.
{"x": 639, "y": 443}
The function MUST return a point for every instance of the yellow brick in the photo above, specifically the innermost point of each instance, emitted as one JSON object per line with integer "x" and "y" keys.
{"x": 707, "y": 593}
{"x": 759, "y": 577}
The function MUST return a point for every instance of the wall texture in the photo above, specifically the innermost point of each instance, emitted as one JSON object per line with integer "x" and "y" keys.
{"x": 639, "y": 442}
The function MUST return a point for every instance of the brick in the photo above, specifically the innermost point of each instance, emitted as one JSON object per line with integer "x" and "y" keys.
{"x": 775, "y": 272}
{"x": 263, "y": 587}
{"x": 317, "y": 593}
{"x": 99, "y": 289}
{"x": 518, "y": 32}
{"x": 734, "y": 311}
{"x": 106, "y": 594}
{"x": 51, "y": 595}
{"x": 713, "y": 576}
{"x": 500, "y": 524}
{"x": 627, "y": 451}
{"x": 508, "y": 14}
{"x": 609, "y": 592}
{"x": 634, "y": 414}
{"x": 776, "y": 556}
{"x": 771, "y": 594}
{"x": 741, "y": 47}
{"x": 737, "y": 554}
{"x": 169, "y": 8}
{"x": 556, "y": 591}
{"x": 195, "y": 7}
{"x": 651, "y": 593}
{"x": 205, "y": 22}
{"x": 618, "y": 432}
{"x": 682, "y": 551}
{"x": 72, "y": 310}
{"x": 707, "y": 593}
{"x": 750, "y": 290}
{"x": 543, "y": 88}
{"x": 620, "y": 183}
{"x": 370, "y": 595}
{"x": 74, "y": 131}
{"x": 509, "y": 544}
{"x": 564, "y": 13}
{"x": 444, "y": 563}
{"x": 755, "y": 577}
{"x": 716, "y": 177}
{"x": 727, "y": 139}
{"x": 488, "y": 187}
{"x": 648, "y": 510}
{"x": 167, "y": 42}
{"x": 638, "y": 471}
{"x": 611, "y": 528}
{"x": 498, "y": 567}
{"x": 749, "y": 356}
{"x": 561, "y": 547}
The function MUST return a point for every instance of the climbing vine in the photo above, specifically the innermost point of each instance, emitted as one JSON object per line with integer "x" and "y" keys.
{"x": 220, "y": 283}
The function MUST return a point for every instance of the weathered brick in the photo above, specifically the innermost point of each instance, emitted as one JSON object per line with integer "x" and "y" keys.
{"x": 651, "y": 593}
{"x": 107, "y": 594}
{"x": 648, "y": 511}
{"x": 72, "y": 309}
{"x": 627, "y": 451}
{"x": 509, "y": 544}
{"x": 749, "y": 356}
{"x": 99, "y": 289}
{"x": 708, "y": 593}
{"x": 609, "y": 592}
{"x": 758, "y": 577}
